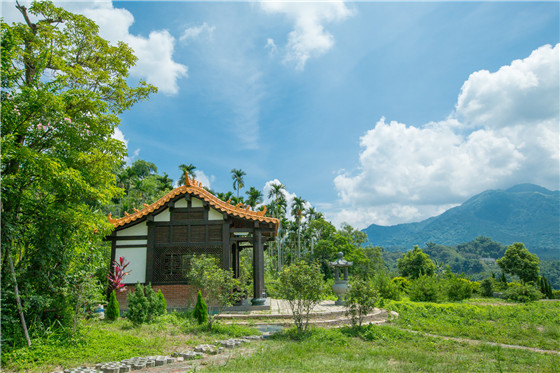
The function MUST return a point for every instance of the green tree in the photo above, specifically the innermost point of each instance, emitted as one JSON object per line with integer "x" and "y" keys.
{"x": 216, "y": 284}
{"x": 361, "y": 300}
{"x": 238, "y": 182}
{"x": 200, "y": 309}
{"x": 63, "y": 88}
{"x": 254, "y": 197}
{"x": 301, "y": 284}
{"x": 415, "y": 263}
{"x": 112, "y": 312}
{"x": 517, "y": 260}
{"x": 185, "y": 169}
{"x": 298, "y": 207}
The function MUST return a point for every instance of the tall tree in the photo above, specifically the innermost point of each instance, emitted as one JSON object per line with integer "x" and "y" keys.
{"x": 237, "y": 176}
{"x": 185, "y": 168}
{"x": 63, "y": 87}
{"x": 517, "y": 260}
{"x": 415, "y": 263}
{"x": 298, "y": 207}
{"x": 278, "y": 208}
{"x": 254, "y": 197}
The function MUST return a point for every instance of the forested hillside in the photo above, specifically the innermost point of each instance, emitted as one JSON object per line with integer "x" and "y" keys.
{"x": 524, "y": 213}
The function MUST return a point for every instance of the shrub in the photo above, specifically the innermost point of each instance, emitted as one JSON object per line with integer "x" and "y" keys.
{"x": 200, "y": 309}
{"x": 522, "y": 293}
{"x": 487, "y": 287}
{"x": 425, "y": 289}
{"x": 387, "y": 289}
{"x": 458, "y": 288}
{"x": 144, "y": 304}
{"x": 402, "y": 283}
{"x": 112, "y": 312}
{"x": 555, "y": 294}
{"x": 161, "y": 304}
{"x": 216, "y": 284}
{"x": 301, "y": 284}
{"x": 361, "y": 300}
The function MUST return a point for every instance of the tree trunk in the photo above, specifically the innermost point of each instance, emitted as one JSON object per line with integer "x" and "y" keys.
{"x": 20, "y": 309}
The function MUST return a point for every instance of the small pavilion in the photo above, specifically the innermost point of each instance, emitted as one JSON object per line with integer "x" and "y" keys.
{"x": 160, "y": 240}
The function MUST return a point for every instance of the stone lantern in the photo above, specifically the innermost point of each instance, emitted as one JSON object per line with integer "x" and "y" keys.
{"x": 340, "y": 287}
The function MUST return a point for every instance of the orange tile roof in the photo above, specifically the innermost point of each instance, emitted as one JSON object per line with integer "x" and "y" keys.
{"x": 194, "y": 187}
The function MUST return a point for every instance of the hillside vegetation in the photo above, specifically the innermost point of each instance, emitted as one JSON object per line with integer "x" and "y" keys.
{"x": 524, "y": 213}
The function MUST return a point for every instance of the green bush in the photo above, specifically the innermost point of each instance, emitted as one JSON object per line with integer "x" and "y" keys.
{"x": 112, "y": 312}
{"x": 200, "y": 309}
{"x": 144, "y": 304}
{"x": 458, "y": 288}
{"x": 487, "y": 287}
{"x": 425, "y": 289}
{"x": 522, "y": 293}
{"x": 161, "y": 304}
{"x": 402, "y": 283}
{"x": 555, "y": 294}
{"x": 361, "y": 300}
{"x": 387, "y": 289}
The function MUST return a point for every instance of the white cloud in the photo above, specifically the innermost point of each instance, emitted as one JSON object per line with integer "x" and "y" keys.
{"x": 119, "y": 135}
{"x": 504, "y": 131}
{"x": 204, "y": 179}
{"x": 196, "y": 32}
{"x": 309, "y": 37}
{"x": 271, "y": 46}
{"x": 155, "y": 53}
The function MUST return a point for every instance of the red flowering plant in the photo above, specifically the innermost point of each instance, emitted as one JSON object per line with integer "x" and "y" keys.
{"x": 116, "y": 277}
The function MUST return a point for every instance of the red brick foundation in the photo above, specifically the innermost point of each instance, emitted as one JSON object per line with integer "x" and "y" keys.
{"x": 177, "y": 296}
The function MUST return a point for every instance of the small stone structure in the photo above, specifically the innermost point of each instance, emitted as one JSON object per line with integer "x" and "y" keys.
{"x": 340, "y": 287}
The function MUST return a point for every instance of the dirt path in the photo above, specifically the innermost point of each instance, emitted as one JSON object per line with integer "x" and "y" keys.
{"x": 478, "y": 341}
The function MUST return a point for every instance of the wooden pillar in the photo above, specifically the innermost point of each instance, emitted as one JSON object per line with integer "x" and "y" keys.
{"x": 258, "y": 269}
{"x": 235, "y": 259}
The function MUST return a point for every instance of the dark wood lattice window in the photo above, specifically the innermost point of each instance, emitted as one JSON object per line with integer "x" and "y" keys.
{"x": 172, "y": 264}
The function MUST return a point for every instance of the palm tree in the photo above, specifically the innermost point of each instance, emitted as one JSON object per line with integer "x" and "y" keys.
{"x": 237, "y": 176}
{"x": 255, "y": 197}
{"x": 185, "y": 168}
{"x": 298, "y": 206}
{"x": 279, "y": 206}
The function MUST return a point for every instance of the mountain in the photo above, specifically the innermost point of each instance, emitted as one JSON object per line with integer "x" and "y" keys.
{"x": 524, "y": 213}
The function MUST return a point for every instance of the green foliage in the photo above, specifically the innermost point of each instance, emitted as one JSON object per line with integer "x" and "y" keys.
{"x": 63, "y": 89}
{"x": 402, "y": 283}
{"x": 387, "y": 288}
{"x": 545, "y": 287}
{"x": 160, "y": 307}
{"x": 361, "y": 300}
{"x": 458, "y": 288}
{"x": 144, "y": 304}
{"x": 112, "y": 313}
{"x": 217, "y": 285}
{"x": 425, "y": 289}
{"x": 532, "y": 324}
{"x": 200, "y": 309}
{"x": 487, "y": 287}
{"x": 522, "y": 293}
{"x": 415, "y": 263}
{"x": 517, "y": 260}
{"x": 302, "y": 286}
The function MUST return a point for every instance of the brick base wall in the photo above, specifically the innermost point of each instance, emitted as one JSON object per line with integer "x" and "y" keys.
{"x": 177, "y": 296}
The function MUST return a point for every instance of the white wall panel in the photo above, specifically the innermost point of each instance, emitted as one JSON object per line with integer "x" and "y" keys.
{"x": 137, "y": 267}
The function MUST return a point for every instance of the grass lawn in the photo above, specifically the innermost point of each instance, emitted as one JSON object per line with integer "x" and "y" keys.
{"x": 385, "y": 349}
{"x": 372, "y": 348}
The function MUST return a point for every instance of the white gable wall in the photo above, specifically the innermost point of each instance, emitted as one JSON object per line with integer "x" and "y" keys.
{"x": 139, "y": 229}
{"x": 137, "y": 267}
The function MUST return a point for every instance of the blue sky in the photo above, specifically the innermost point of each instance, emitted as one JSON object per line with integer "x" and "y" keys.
{"x": 373, "y": 112}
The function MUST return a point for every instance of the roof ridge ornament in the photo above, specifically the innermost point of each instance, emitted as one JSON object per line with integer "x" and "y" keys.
{"x": 187, "y": 181}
